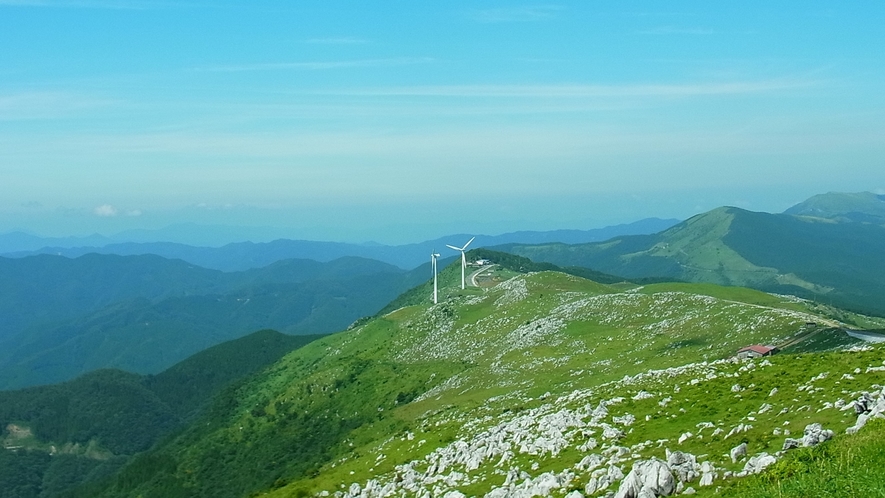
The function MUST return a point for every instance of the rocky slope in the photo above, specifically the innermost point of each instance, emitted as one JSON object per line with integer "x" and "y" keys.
{"x": 545, "y": 384}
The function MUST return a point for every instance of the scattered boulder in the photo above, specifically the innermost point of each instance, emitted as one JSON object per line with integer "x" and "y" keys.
{"x": 590, "y": 462}
{"x": 816, "y": 434}
{"x": 738, "y": 429}
{"x": 867, "y": 407}
{"x": 626, "y": 420}
{"x": 603, "y": 478}
{"x": 648, "y": 479}
{"x": 708, "y": 474}
{"x": 683, "y": 465}
{"x": 791, "y": 443}
{"x": 864, "y": 404}
{"x": 609, "y": 432}
{"x": 737, "y": 452}
{"x": 758, "y": 463}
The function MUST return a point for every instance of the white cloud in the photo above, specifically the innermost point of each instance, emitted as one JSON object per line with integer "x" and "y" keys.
{"x": 319, "y": 65}
{"x": 580, "y": 91}
{"x": 105, "y": 211}
{"x": 88, "y": 4}
{"x": 675, "y": 30}
{"x": 41, "y": 105}
{"x": 343, "y": 40}
{"x": 515, "y": 14}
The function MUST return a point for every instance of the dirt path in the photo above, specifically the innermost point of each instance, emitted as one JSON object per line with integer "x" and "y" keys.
{"x": 478, "y": 273}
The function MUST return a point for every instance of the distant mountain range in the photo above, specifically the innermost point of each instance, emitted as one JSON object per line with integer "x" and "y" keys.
{"x": 828, "y": 248}
{"x": 62, "y": 317}
{"x": 245, "y": 255}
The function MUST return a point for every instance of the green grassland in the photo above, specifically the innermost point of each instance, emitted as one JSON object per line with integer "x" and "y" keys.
{"x": 408, "y": 392}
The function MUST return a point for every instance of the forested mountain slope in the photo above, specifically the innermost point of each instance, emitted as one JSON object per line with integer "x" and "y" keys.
{"x": 56, "y": 436}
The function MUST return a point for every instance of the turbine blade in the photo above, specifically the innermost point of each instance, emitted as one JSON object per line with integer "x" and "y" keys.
{"x": 453, "y": 247}
{"x": 468, "y": 243}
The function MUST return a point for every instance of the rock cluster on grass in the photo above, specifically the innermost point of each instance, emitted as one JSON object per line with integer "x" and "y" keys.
{"x": 515, "y": 455}
{"x": 648, "y": 479}
{"x": 814, "y": 435}
{"x": 868, "y": 406}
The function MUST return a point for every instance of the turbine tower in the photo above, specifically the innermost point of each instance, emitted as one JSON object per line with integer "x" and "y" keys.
{"x": 463, "y": 259}
{"x": 433, "y": 257}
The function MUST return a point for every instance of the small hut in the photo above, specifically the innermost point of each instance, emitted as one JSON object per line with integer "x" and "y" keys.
{"x": 756, "y": 351}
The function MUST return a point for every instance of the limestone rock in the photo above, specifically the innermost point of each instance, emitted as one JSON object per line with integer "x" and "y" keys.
{"x": 603, "y": 478}
{"x": 683, "y": 465}
{"x": 758, "y": 463}
{"x": 867, "y": 407}
{"x": 816, "y": 434}
{"x": 737, "y": 452}
{"x": 648, "y": 479}
{"x": 708, "y": 474}
{"x": 791, "y": 443}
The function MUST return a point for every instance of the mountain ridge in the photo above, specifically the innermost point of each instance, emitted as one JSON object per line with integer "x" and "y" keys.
{"x": 834, "y": 262}
{"x": 242, "y": 256}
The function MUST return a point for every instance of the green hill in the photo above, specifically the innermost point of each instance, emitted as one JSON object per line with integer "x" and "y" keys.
{"x": 534, "y": 377}
{"x": 86, "y": 428}
{"x": 835, "y": 263}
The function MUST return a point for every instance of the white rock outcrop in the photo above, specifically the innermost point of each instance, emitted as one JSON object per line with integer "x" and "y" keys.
{"x": 867, "y": 406}
{"x": 737, "y": 452}
{"x": 758, "y": 463}
{"x": 683, "y": 465}
{"x": 648, "y": 479}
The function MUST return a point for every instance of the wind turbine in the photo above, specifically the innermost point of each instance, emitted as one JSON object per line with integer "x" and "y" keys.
{"x": 433, "y": 257}
{"x": 463, "y": 259}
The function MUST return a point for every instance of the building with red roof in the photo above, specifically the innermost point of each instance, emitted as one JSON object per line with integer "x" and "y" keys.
{"x": 756, "y": 351}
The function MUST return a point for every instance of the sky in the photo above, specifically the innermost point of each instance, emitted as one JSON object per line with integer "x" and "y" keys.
{"x": 403, "y": 121}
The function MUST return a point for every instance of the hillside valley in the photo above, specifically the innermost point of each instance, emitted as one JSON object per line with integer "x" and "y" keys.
{"x": 64, "y": 317}
{"x": 57, "y": 436}
{"x": 537, "y": 384}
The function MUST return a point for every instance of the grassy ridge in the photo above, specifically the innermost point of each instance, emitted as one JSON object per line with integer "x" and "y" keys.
{"x": 350, "y": 407}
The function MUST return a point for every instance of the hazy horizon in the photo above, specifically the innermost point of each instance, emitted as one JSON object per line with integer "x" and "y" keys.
{"x": 398, "y": 123}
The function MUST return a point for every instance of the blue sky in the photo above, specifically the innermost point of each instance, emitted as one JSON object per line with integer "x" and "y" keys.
{"x": 404, "y": 121}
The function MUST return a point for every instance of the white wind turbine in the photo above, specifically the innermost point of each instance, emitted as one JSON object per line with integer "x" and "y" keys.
{"x": 463, "y": 259}
{"x": 433, "y": 257}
